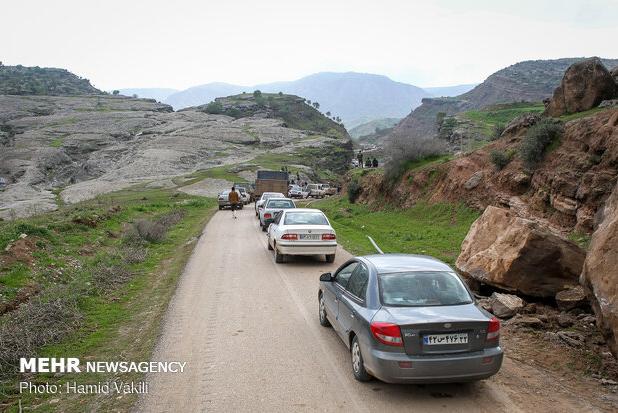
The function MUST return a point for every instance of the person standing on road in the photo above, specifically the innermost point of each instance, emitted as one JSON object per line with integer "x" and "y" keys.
{"x": 234, "y": 199}
{"x": 359, "y": 157}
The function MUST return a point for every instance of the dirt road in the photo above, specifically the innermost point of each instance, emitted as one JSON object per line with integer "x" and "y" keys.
{"x": 249, "y": 332}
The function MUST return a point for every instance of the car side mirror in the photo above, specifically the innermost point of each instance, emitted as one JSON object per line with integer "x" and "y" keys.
{"x": 326, "y": 277}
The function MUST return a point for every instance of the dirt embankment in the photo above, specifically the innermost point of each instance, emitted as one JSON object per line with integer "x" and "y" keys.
{"x": 564, "y": 191}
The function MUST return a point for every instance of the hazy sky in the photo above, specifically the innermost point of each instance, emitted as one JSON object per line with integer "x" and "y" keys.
{"x": 181, "y": 43}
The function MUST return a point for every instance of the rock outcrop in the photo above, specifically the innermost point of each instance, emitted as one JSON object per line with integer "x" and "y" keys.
{"x": 600, "y": 273}
{"x": 517, "y": 254}
{"x": 584, "y": 86}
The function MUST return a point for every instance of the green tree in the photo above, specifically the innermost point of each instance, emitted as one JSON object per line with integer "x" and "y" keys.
{"x": 316, "y": 105}
{"x": 116, "y": 92}
{"x": 328, "y": 114}
{"x": 257, "y": 94}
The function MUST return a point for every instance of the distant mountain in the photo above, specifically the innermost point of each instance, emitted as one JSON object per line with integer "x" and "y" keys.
{"x": 199, "y": 95}
{"x": 22, "y": 80}
{"x": 530, "y": 81}
{"x": 354, "y": 97}
{"x": 371, "y": 127}
{"x": 450, "y": 90}
{"x": 159, "y": 94}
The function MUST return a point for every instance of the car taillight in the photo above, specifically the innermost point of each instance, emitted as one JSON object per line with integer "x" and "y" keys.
{"x": 493, "y": 330}
{"x": 267, "y": 216}
{"x": 328, "y": 236}
{"x": 387, "y": 333}
{"x": 291, "y": 237}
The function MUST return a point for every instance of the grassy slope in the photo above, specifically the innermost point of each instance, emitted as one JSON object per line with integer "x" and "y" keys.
{"x": 486, "y": 119}
{"x": 118, "y": 324}
{"x": 435, "y": 230}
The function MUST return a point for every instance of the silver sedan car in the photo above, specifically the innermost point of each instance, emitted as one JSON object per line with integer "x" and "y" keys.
{"x": 409, "y": 319}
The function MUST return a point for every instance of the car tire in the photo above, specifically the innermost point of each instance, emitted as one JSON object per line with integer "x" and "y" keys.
{"x": 330, "y": 257}
{"x": 279, "y": 258}
{"x": 358, "y": 367}
{"x": 270, "y": 247}
{"x": 220, "y": 207}
{"x": 322, "y": 312}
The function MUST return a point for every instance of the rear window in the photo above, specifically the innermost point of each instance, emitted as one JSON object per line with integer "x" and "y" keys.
{"x": 422, "y": 288}
{"x": 305, "y": 218}
{"x": 279, "y": 203}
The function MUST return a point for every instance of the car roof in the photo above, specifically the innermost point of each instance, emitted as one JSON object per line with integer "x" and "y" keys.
{"x": 279, "y": 199}
{"x": 391, "y": 263}
{"x": 295, "y": 210}
{"x": 271, "y": 193}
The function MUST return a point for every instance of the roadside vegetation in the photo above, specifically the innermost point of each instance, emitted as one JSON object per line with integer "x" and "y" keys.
{"x": 538, "y": 140}
{"x": 431, "y": 229}
{"x": 92, "y": 281}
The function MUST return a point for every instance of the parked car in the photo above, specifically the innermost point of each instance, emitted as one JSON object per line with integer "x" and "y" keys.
{"x": 224, "y": 201}
{"x": 266, "y": 195}
{"x": 315, "y": 191}
{"x": 329, "y": 190}
{"x": 244, "y": 195}
{"x": 301, "y": 231}
{"x": 409, "y": 318}
{"x": 295, "y": 191}
{"x": 271, "y": 207}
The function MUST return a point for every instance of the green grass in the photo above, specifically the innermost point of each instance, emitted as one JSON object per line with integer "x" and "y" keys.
{"x": 428, "y": 161}
{"x": 430, "y": 229}
{"x": 487, "y": 119}
{"x": 579, "y": 115}
{"x": 117, "y": 324}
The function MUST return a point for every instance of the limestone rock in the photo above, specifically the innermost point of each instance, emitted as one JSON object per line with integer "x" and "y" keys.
{"x": 506, "y": 305}
{"x": 517, "y": 254}
{"x": 474, "y": 180}
{"x": 584, "y": 85}
{"x": 571, "y": 298}
{"x": 600, "y": 273}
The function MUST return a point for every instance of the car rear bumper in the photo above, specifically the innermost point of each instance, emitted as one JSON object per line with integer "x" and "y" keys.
{"x": 224, "y": 203}
{"x": 306, "y": 248}
{"x": 446, "y": 368}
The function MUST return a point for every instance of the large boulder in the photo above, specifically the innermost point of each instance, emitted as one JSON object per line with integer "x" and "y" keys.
{"x": 600, "y": 273}
{"x": 585, "y": 84}
{"x": 517, "y": 254}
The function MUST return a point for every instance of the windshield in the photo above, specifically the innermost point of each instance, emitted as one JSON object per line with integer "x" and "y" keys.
{"x": 280, "y": 203}
{"x": 422, "y": 288}
{"x": 305, "y": 218}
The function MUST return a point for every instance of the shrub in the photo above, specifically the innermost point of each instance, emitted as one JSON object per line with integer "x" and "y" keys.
{"x": 257, "y": 94}
{"x": 214, "y": 108}
{"x": 107, "y": 277}
{"x": 150, "y": 231}
{"x": 403, "y": 150}
{"x": 354, "y": 190}
{"x": 499, "y": 159}
{"x": 538, "y": 138}
{"x": 497, "y": 131}
{"x": 44, "y": 319}
{"x": 133, "y": 254}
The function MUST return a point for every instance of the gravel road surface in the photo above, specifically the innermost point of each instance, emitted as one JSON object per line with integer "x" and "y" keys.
{"x": 249, "y": 332}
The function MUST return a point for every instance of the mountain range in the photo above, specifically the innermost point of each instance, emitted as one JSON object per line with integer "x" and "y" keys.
{"x": 356, "y": 98}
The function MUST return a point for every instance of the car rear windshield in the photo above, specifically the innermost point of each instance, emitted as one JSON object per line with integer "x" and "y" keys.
{"x": 279, "y": 203}
{"x": 422, "y": 288}
{"x": 305, "y": 218}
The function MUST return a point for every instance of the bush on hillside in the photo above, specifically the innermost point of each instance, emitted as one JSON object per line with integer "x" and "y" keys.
{"x": 538, "y": 138}
{"x": 214, "y": 108}
{"x": 499, "y": 159}
{"x": 403, "y": 150}
{"x": 354, "y": 190}
{"x": 497, "y": 131}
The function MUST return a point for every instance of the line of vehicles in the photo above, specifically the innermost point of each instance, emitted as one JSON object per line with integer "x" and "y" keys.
{"x": 404, "y": 318}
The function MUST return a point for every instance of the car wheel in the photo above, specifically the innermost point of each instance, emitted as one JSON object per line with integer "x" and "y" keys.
{"x": 322, "y": 312}
{"x": 330, "y": 257}
{"x": 279, "y": 258}
{"x": 270, "y": 247}
{"x": 358, "y": 367}
{"x": 220, "y": 207}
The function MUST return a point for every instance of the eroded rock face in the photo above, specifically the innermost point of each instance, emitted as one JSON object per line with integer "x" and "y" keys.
{"x": 584, "y": 86}
{"x": 600, "y": 273}
{"x": 517, "y": 254}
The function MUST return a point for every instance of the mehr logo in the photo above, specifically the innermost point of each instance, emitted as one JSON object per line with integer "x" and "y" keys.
{"x": 49, "y": 365}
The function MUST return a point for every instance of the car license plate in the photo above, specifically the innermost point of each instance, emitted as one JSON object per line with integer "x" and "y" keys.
{"x": 441, "y": 339}
{"x": 310, "y": 236}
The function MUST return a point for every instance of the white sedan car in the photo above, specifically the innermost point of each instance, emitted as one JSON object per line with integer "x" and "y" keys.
{"x": 301, "y": 231}
{"x": 265, "y": 196}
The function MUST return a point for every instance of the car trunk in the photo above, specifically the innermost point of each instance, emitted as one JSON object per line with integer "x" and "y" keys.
{"x": 440, "y": 329}
{"x": 308, "y": 233}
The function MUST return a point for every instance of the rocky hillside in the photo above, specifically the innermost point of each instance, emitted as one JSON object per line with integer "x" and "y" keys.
{"x": 67, "y": 149}
{"x": 372, "y": 127}
{"x": 21, "y": 80}
{"x": 529, "y": 81}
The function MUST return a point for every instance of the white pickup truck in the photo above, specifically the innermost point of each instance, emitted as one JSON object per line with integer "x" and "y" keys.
{"x": 315, "y": 191}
